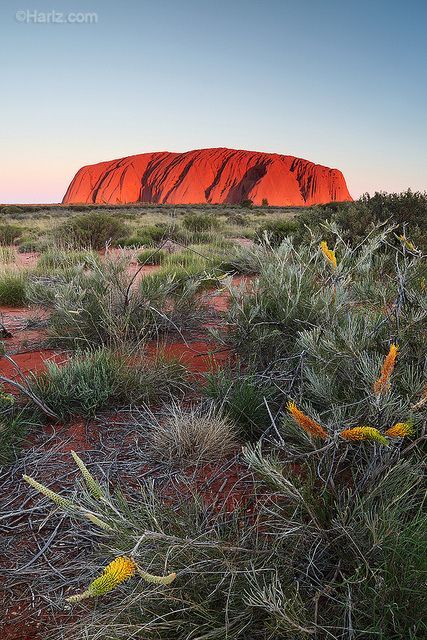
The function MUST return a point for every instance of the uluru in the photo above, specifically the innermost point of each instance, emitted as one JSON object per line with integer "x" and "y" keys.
{"x": 214, "y": 176}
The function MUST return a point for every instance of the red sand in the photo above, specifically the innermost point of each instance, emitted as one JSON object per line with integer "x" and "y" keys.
{"x": 199, "y": 356}
{"x": 28, "y": 362}
{"x": 208, "y": 176}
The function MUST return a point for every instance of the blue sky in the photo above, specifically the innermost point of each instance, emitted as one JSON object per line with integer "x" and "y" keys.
{"x": 339, "y": 83}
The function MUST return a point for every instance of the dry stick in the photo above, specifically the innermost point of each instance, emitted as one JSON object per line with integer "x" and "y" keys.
{"x": 30, "y": 395}
{"x": 138, "y": 271}
{"x": 154, "y": 535}
{"x": 17, "y": 368}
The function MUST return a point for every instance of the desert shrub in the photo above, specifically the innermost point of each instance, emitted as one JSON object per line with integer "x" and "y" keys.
{"x": 264, "y": 202}
{"x": 199, "y": 222}
{"x": 105, "y": 305}
{"x": 14, "y": 426}
{"x": 94, "y": 230}
{"x": 275, "y": 231}
{"x": 326, "y": 327}
{"x": 246, "y": 260}
{"x": 154, "y": 234}
{"x": 246, "y": 399}
{"x": 11, "y": 210}
{"x": 237, "y": 219}
{"x": 55, "y": 259}
{"x": 9, "y": 233}
{"x": 13, "y": 284}
{"x": 191, "y": 435}
{"x": 93, "y": 380}
{"x": 133, "y": 242}
{"x": 152, "y": 256}
{"x": 407, "y": 210}
{"x": 28, "y": 244}
{"x": 247, "y": 204}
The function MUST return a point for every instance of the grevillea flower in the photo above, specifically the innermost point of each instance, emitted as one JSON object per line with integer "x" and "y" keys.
{"x": 363, "y": 433}
{"x": 387, "y": 368}
{"x": 114, "y": 574}
{"x": 400, "y": 430}
{"x": 93, "y": 486}
{"x": 65, "y": 504}
{"x": 328, "y": 253}
{"x": 149, "y": 577}
{"x": 309, "y": 425}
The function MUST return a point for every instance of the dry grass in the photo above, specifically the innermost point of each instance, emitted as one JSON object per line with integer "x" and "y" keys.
{"x": 191, "y": 435}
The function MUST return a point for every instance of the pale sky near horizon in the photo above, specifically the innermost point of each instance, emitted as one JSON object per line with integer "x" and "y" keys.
{"x": 339, "y": 83}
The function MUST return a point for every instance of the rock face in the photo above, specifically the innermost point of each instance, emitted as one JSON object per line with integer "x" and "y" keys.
{"x": 208, "y": 176}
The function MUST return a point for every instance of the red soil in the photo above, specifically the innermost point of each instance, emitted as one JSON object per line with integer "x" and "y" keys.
{"x": 29, "y": 362}
{"x": 199, "y": 356}
{"x": 27, "y": 259}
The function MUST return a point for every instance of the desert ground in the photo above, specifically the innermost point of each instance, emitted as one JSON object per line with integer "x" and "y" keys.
{"x": 219, "y": 412}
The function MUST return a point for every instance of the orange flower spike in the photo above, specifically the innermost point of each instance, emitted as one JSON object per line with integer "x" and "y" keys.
{"x": 383, "y": 382}
{"x": 358, "y": 434}
{"x": 400, "y": 430}
{"x": 329, "y": 254}
{"x": 309, "y": 425}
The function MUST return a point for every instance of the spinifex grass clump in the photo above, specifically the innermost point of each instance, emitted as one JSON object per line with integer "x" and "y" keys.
{"x": 152, "y": 256}
{"x": 189, "y": 436}
{"x": 14, "y": 426}
{"x": 13, "y": 286}
{"x": 56, "y": 259}
{"x": 246, "y": 398}
{"x": 92, "y": 380}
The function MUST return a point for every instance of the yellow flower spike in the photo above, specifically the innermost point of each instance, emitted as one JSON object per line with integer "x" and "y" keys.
{"x": 97, "y": 521}
{"x": 149, "y": 577}
{"x": 329, "y": 254}
{"x": 93, "y": 486}
{"x": 358, "y": 434}
{"x": 309, "y": 425}
{"x": 65, "y": 504}
{"x": 400, "y": 430}
{"x": 387, "y": 368}
{"x": 114, "y": 574}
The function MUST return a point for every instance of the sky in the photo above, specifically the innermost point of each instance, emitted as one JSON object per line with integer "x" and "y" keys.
{"x": 340, "y": 83}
